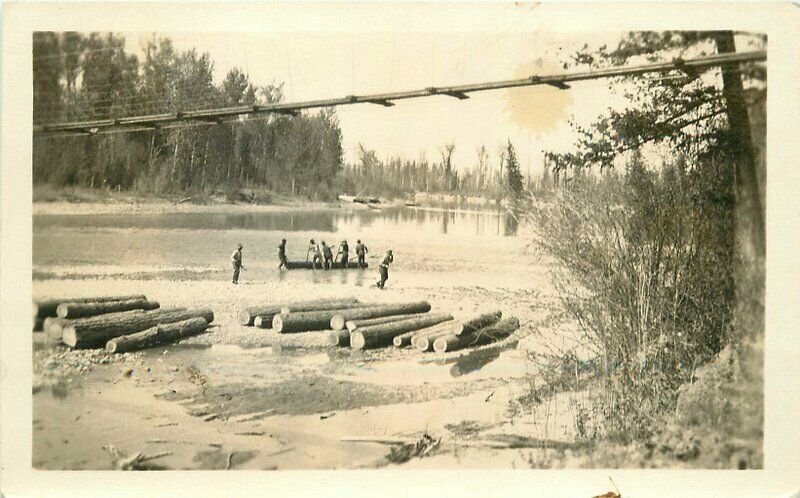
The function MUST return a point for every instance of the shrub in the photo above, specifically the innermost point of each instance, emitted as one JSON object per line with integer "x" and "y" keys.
{"x": 645, "y": 265}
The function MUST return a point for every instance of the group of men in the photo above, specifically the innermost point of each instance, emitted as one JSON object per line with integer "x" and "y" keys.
{"x": 322, "y": 255}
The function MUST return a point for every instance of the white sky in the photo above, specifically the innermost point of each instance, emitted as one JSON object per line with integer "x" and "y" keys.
{"x": 334, "y": 64}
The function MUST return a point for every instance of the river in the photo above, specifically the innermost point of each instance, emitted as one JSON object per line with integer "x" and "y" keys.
{"x": 471, "y": 245}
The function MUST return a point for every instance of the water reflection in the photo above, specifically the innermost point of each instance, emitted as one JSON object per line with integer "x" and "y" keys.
{"x": 436, "y": 220}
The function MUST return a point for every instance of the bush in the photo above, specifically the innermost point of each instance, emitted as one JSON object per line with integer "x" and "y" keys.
{"x": 645, "y": 264}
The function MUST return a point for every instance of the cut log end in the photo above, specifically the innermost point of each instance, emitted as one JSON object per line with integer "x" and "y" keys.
{"x": 357, "y": 340}
{"x": 339, "y": 338}
{"x": 440, "y": 344}
{"x": 277, "y": 323}
{"x": 245, "y": 318}
{"x": 337, "y": 322}
{"x": 69, "y": 336}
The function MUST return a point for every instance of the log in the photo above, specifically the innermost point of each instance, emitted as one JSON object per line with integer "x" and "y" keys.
{"x": 160, "y": 334}
{"x": 83, "y": 310}
{"x": 248, "y": 315}
{"x": 308, "y": 265}
{"x": 96, "y": 331}
{"x": 354, "y": 324}
{"x": 382, "y": 335}
{"x": 305, "y": 321}
{"x": 333, "y": 304}
{"x": 480, "y": 322}
{"x": 403, "y": 340}
{"x": 54, "y": 326}
{"x": 449, "y": 327}
{"x": 423, "y": 339}
{"x": 338, "y": 320}
{"x": 339, "y": 338}
{"x": 48, "y": 307}
{"x": 486, "y": 335}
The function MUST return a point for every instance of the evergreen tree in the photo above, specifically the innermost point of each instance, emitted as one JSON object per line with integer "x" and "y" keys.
{"x": 513, "y": 173}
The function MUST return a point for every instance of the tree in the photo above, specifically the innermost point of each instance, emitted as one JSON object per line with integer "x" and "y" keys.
{"x": 513, "y": 174}
{"x": 447, "y": 164}
{"x": 699, "y": 115}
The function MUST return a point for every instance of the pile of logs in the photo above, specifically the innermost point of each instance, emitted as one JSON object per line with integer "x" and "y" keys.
{"x": 118, "y": 324}
{"x": 437, "y": 332}
{"x": 350, "y": 323}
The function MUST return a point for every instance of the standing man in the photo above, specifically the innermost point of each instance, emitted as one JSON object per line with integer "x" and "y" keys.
{"x": 236, "y": 261}
{"x": 384, "y": 268}
{"x": 326, "y": 251}
{"x": 314, "y": 247}
{"x": 282, "y": 255}
{"x": 345, "y": 254}
{"x": 361, "y": 252}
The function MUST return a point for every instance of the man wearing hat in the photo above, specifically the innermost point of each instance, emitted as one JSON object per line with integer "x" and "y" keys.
{"x": 236, "y": 261}
{"x": 384, "y": 268}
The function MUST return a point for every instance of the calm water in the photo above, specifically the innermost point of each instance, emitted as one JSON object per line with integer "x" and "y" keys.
{"x": 181, "y": 245}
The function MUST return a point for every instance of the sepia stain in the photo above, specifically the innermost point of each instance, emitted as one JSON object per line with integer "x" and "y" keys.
{"x": 538, "y": 109}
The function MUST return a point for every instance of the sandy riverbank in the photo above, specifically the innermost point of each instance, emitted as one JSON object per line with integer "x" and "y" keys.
{"x": 316, "y": 394}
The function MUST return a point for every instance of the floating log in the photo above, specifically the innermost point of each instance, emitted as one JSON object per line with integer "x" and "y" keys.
{"x": 333, "y": 304}
{"x": 354, "y": 324}
{"x": 160, "y": 334}
{"x": 449, "y": 327}
{"x": 83, "y": 310}
{"x": 338, "y": 320}
{"x": 48, "y": 307}
{"x": 247, "y": 316}
{"x": 339, "y": 338}
{"x": 96, "y": 331}
{"x": 486, "y": 335}
{"x": 305, "y": 321}
{"x": 308, "y": 265}
{"x": 480, "y": 322}
{"x": 382, "y": 335}
{"x": 424, "y": 342}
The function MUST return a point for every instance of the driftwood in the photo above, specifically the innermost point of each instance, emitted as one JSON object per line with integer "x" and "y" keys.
{"x": 486, "y": 335}
{"x": 160, "y": 334}
{"x": 84, "y": 310}
{"x": 382, "y": 335}
{"x": 337, "y": 322}
{"x": 96, "y": 331}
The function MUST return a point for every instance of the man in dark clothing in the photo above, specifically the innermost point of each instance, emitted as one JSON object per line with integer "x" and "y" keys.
{"x": 282, "y": 255}
{"x": 384, "y": 268}
{"x": 328, "y": 254}
{"x": 361, "y": 252}
{"x": 345, "y": 254}
{"x": 236, "y": 261}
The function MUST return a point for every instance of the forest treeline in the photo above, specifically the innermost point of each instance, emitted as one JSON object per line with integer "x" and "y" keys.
{"x": 84, "y": 77}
